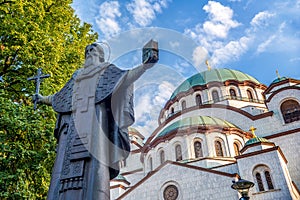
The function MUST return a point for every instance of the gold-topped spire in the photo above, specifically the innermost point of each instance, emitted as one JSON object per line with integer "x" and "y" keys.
{"x": 208, "y": 65}
{"x": 277, "y": 73}
{"x": 252, "y": 129}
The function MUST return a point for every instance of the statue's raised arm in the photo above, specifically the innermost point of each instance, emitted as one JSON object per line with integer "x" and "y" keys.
{"x": 149, "y": 58}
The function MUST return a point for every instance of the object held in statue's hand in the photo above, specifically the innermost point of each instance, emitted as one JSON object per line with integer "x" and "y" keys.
{"x": 150, "y": 52}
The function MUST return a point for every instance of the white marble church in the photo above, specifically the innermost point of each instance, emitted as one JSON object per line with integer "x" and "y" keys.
{"x": 203, "y": 142}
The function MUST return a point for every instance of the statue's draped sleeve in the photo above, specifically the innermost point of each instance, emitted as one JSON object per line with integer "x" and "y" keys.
{"x": 118, "y": 99}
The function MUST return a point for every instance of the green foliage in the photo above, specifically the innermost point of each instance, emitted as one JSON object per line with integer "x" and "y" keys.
{"x": 33, "y": 34}
{"x": 27, "y": 150}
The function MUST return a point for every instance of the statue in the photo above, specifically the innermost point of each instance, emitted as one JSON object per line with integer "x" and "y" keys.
{"x": 94, "y": 108}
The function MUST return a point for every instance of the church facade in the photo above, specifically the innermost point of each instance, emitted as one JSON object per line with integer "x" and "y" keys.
{"x": 206, "y": 139}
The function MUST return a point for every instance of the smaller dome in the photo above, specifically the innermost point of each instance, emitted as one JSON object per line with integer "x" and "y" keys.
{"x": 196, "y": 121}
{"x": 120, "y": 178}
{"x": 277, "y": 80}
{"x": 256, "y": 140}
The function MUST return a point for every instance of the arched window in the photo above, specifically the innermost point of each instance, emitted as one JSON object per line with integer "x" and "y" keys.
{"x": 215, "y": 96}
{"x": 178, "y": 152}
{"x": 162, "y": 157}
{"x": 232, "y": 94}
{"x": 218, "y": 148}
{"x": 183, "y": 105}
{"x": 250, "y": 95}
{"x": 150, "y": 163}
{"x": 198, "y": 149}
{"x": 290, "y": 110}
{"x": 269, "y": 180}
{"x": 236, "y": 147}
{"x": 259, "y": 182}
{"x": 172, "y": 110}
{"x": 198, "y": 100}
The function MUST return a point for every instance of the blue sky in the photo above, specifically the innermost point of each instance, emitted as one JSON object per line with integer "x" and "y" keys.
{"x": 254, "y": 36}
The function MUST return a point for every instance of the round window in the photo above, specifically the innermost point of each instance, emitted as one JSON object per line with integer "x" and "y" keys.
{"x": 171, "y": 192}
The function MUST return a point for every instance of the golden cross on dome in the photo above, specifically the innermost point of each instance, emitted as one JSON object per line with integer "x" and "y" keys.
{"x": 208, "y": 65}
{"x": 277, "y": 73}
{"x": 252, "y": 129}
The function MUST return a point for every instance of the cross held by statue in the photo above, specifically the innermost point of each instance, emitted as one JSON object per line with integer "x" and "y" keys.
{"x": 37, "y": 80}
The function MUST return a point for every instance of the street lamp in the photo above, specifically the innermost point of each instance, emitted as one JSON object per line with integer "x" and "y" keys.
{"x": 242, "y": 186}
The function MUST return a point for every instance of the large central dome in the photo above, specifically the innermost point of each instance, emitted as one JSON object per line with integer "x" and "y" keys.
{"x": 214, "y": 75}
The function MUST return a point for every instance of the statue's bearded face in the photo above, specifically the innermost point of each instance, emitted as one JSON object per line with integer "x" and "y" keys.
{"x": 93, "y": 56}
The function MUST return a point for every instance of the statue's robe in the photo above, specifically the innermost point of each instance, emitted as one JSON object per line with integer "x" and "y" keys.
{"x": 91, "y": 130}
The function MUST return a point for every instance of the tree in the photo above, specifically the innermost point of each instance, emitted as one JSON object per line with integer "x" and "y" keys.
{"x": 33, "y": 34}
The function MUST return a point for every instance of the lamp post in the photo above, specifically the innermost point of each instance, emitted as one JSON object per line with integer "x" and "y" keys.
{"x": 242, "y": 186}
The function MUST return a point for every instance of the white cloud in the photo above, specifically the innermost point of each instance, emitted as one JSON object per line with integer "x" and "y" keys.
{"x": 220, "y": 20}
{"x": 144, "y": 12}
{"x": 109, "y": 12}
{"x": 234, "y": 49}
{"x": 148, "y": 107}
{"x": 262, "y": 47}
{"x": 212, "y": 35}
{"x": 165, "y": 90}
{"x": 199, "y": 56}
{"x": 261, "y": 19}
{"x": 263, "y": 34}
{"x": 142, "y": 107}
{"x": 231, "y": 51}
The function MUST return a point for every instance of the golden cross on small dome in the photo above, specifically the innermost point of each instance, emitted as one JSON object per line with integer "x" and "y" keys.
{"x": 277, "y": 73}
{"x": 208, "y": 65}
{"x": 252, "y": 129}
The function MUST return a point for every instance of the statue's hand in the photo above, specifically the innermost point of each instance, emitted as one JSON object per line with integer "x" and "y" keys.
{"x": 38, "y": 98}
{"x": 151, "y": 61}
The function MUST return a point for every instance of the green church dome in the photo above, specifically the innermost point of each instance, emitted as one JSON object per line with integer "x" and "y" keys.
{"x": 219, "y": 75}
{"x": 277, "y": 80}
{"x": 196, "y": 121}
{"x": 256, "y": 140}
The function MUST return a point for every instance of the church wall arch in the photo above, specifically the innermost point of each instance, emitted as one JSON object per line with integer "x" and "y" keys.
{"x": 235, "y": 89}
{"x": 197, "y": 137}
{"x": 235, "y": 138}
{"x": 183, "y": 103}
{"x": 263, "y": 177}
{"x": 147, "y": 167}
{"x": 162, "y": 156}
{"x": 198, "y": 148}
{"x": 178, "y": 141}
{"x": 198, "y": 98}
{"x": 149, "y": 164}
{"x": 213, "y": 138}
{"x": 293, "y": 108}
{"x": 215, "y": 94}
{"x": 237, "y": 146}
{"x": 156, "y": 154}
{"x": 276, "y": 101}
{"x": 251, "y": 94}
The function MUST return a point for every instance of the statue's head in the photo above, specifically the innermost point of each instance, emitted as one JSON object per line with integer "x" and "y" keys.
{"x": 94, "y": 55}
